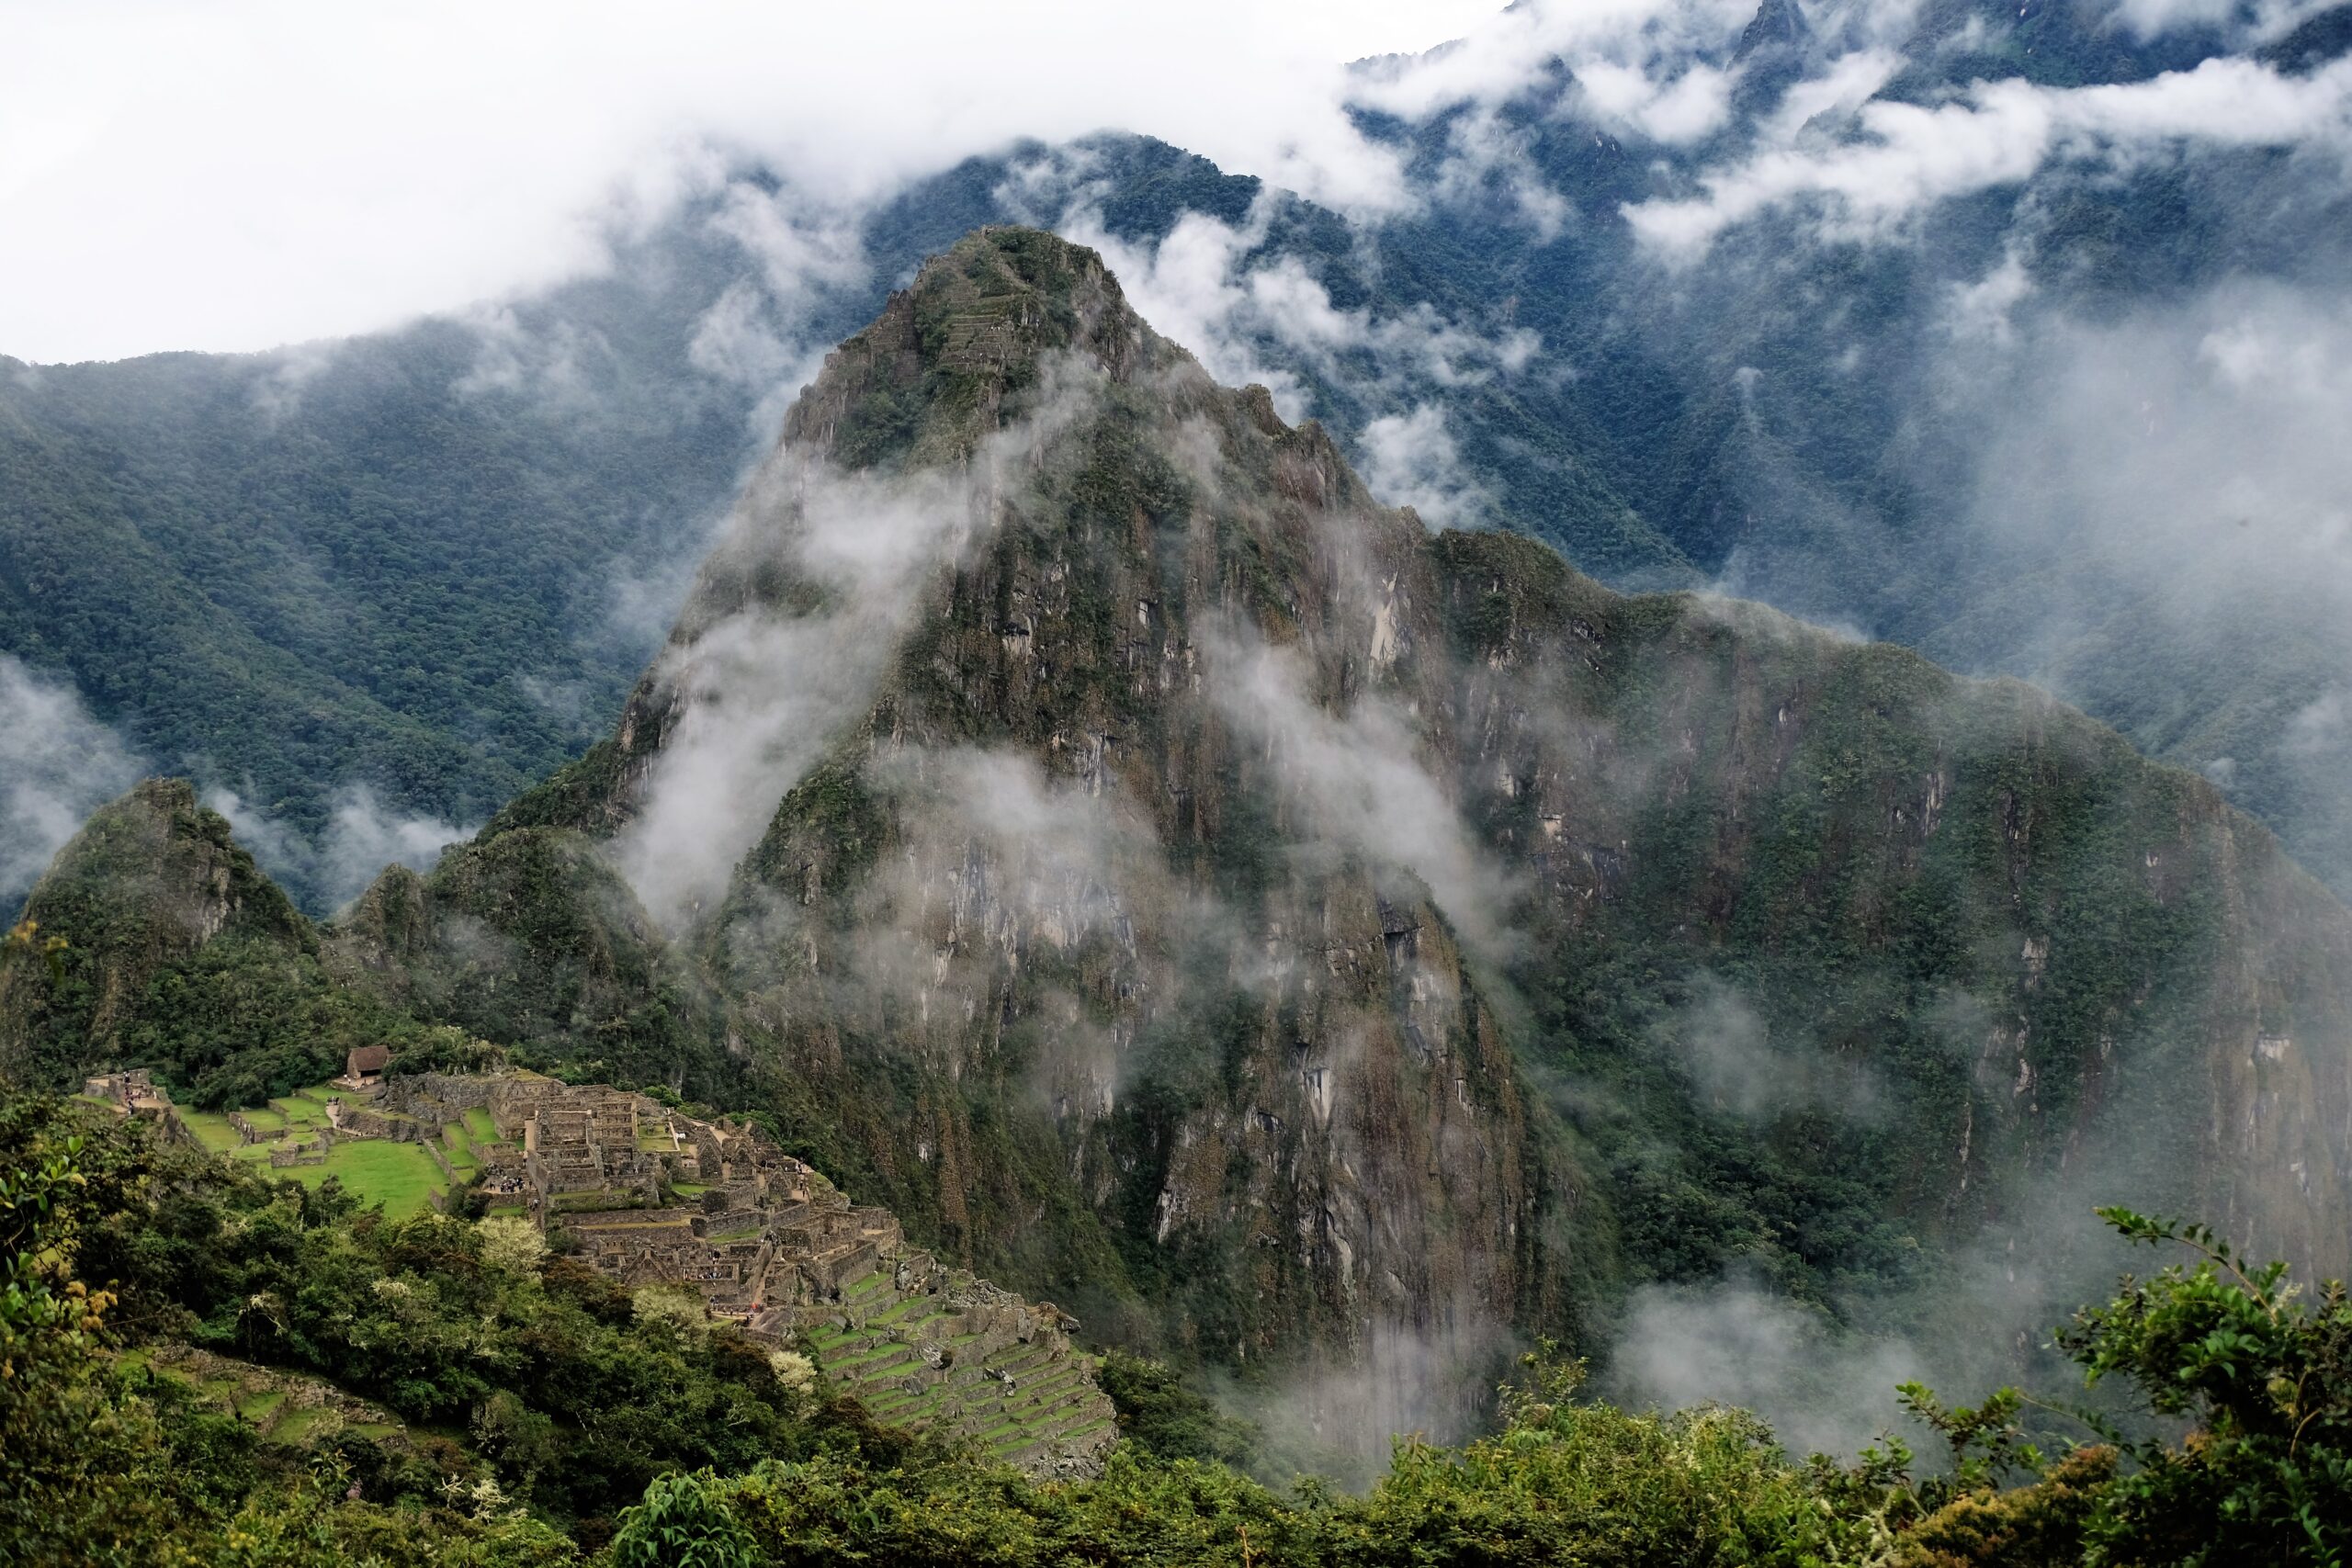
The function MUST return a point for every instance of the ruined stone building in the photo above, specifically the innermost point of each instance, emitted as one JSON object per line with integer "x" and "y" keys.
{"x": 132, "y": 1092}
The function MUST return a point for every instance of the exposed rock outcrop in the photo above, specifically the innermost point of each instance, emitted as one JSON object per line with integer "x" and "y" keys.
{"x": 1174, "y": 884}
{"x": 1206, "y": 889}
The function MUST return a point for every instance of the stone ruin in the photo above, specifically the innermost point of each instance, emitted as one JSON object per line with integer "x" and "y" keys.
{"x": 651, "y": 1196}
{"x": 132, "y": 1092}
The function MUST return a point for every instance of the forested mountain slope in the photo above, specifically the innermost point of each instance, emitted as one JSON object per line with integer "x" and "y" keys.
{"x": 1093, "y": 827}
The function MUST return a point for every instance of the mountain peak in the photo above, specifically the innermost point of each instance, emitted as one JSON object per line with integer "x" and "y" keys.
{"x": 1777, "y": 23}
{"x": 933, "y": 373}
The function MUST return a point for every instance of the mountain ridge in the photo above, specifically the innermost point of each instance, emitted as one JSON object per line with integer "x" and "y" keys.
{"x": 1193, "y": 893}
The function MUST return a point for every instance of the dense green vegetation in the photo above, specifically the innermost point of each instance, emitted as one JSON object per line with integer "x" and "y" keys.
{"x": 293, "y": 574}
{"x": 179, "y": 954}
{"x": 545, "y": 1420}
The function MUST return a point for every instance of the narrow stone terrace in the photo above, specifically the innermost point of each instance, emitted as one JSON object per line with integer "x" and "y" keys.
{"x": 651, "y": 1196}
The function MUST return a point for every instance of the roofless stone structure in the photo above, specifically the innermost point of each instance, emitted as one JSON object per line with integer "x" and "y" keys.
{"x": 655, "y": 1197}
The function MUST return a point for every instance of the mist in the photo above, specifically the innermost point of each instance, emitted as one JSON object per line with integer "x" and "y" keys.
{"x": 755, "y": 691}
{"x": 58, "y": 764}
{"x": 2138, "y": 499}
{"x": 361, "y": 839}
{"x": 2169, "y": 493}
{"x": 1365, "y": 792}
{"x": 555, "y": 129}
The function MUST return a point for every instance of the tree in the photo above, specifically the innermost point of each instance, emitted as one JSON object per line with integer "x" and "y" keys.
{"x": 2264, "y": 1376}
{"x": 62, "y": 1452}
{"x": 512, "y": 1246}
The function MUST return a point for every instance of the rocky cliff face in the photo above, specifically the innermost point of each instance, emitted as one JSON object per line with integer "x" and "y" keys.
{"x": 1093, "y": 827}
{"x": 1043, "y": 928}
{"x": 1199, "y": 892}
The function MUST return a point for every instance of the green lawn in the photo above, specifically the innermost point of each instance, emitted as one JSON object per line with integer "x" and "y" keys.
{"x": 211, "y": 1129}
{"x": 402, "y": 1176}
{"x": 478, "y": 1123}
{"x": 299, "y": 1113}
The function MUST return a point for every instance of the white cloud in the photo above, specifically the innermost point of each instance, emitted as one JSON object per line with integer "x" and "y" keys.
{"x": 362, "y": 838}
{"x": 1367, "y": 791}
{"x": 1487, "y": 156}
{"x": 1682, "y": 109}
{"x": 758, "y": 694}
{"x": 1910, "y": 156}
{"x": 1738, "y": 1342}
{"x": 58, "y": 764}
{"x": 1194, "y": 289}
{"x": 2262, "y": 20}
{"x": 1410, "y": 459}
{"x": 2195, "y": 451}
{"x": 1187, "y": 287}
{"x": 1738, "y": 1064}
{"x": 1849, "y": 82}
{"x": 235, "y": 173}
{"x": 1982, "y": 309}
{"x": 1515, "y": 50}
{"x": 2149, "y": 17}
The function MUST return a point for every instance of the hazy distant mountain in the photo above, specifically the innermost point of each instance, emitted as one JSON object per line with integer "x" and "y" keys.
{"x": 2047, "y": 399}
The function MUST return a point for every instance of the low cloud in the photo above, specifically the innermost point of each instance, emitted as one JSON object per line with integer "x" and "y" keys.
{"x": 1909, "y": 156}
{"x": 1672, "y": 109}
{"x": 1824, "y": 1389}
{"x": 1847, "y": 82}
{"x": 551, "y": 363}
{"x": 1365, "y": 791}
{"x": 1007, "y": 865}
{"x": 58, "y": 764}
{"x": 1740, "y": 1065}
{"x": 1251, "y": 323}
{"x": 2193, "y": 452}
{"x": 1513, "y": 52}
{"x": 757, "y": 696}
{"x": 1411, "y": 461}
{"x": 553, "y": 126}
{"x": 1338, "y": 1415}
{"x": 361, "y": 839}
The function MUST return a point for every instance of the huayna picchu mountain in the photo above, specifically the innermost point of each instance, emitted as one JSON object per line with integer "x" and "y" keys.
{"x": 1089, "y": 824}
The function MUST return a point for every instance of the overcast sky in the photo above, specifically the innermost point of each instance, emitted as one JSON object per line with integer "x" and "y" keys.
{"x": 238, "y": 174}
